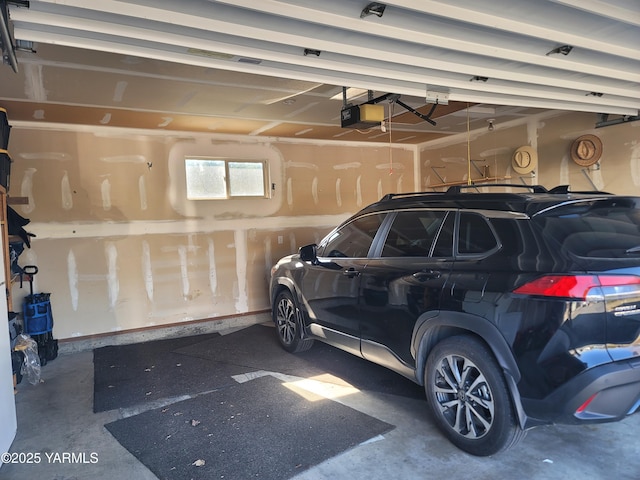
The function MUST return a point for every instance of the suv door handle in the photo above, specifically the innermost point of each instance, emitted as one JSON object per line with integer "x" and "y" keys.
{"x": 351, "y": 273}
{"x": 426, "y": 275}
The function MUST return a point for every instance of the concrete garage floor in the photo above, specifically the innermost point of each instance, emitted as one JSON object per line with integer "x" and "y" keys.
{"x": 57, "y": 416}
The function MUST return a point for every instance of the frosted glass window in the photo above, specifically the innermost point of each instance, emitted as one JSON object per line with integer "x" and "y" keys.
{"x": 212, "y": 179}
{"x": 246, "y": 179}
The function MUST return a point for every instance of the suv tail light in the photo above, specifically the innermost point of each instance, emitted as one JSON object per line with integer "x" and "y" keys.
{"x": 582, "y": 287}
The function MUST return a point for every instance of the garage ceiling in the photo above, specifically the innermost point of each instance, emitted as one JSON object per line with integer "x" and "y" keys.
{"x": 276, "y": 68}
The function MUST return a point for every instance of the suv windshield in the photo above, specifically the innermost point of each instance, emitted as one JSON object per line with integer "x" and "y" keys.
{"x": 595, "y": 229}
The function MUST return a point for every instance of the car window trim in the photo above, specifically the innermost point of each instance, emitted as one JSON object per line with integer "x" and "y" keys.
{"x": 378, "y": 241}
{"x": 437, "y": 236}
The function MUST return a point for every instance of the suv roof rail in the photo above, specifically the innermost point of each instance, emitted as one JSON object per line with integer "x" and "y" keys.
{"x": 389, "y": 196}
{"x": 567, "y": 189}
{"x": 561, "y": 189}
{"x": 533, "y": 188}
{"x": 455, "y": 189}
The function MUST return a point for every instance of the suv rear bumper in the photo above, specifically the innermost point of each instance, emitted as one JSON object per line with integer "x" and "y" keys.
{"x": 606, "y": 393}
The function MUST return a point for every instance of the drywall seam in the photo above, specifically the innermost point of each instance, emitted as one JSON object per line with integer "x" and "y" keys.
{"x": 112, "y": 273}
{"x": 184, "y": 270}
{"x": 118, "y": 93}
{"x": 240, "y": 243}
{"x": 135, "y": 228}
{"x": 34, "y": 84}
{"x": 72, "y": 272}
{"x": 178, "y": 134}
{"x": 147, "y": 272}
{"x": 489, "y": 154}
{"x": 293, "y": 244}
{"x": 46, "y": 156}
{"x": 417, "y": 170}
{"x": 347, "y": 166}
{"x": 142, "y": 190}
{"x": 213, "y": 276}
{"x": 133, "y": 158}
{"x": 105, "y": 191}
{"x": 65, "y": 190}
{"x": 26, "y": 190}
{"x": 390, "y": 167}
{"x": 314, "y": 190}
{"x": 268, "y": 258}
{"x": 634, "y": 163}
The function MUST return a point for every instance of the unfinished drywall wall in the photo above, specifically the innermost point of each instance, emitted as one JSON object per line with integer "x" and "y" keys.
{"x": 120, "y": 247}
{"x": 551, "y": 136}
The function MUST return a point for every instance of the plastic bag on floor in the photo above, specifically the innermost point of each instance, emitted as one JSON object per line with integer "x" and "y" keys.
{"x": 31, "y": 364}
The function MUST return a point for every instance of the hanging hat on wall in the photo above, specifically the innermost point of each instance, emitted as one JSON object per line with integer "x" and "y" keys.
{"x": 524, "y": 160}
{"x": 586, "y": 150}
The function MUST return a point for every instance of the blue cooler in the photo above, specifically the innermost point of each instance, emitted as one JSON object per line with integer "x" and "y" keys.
{"x": 36, "y": 312}
{"x": 38, "y": 319}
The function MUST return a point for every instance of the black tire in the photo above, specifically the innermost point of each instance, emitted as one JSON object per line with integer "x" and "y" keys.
{"x": 288, "y": 326}
{"x": 468, "y": 397}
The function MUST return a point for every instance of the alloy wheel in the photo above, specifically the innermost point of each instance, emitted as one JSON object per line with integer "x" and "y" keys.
{"x": 464, "y": 397}
{"x": 286, "y": 320}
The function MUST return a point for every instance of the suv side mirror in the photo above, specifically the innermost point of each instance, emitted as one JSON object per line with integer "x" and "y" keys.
{"x": 308, "y": 253}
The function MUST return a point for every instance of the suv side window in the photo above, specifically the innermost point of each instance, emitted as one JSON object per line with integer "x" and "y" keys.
{"x": 354, "y": 239}
{"x": 474, "y": 234}
{"x": 412, "y": 233}
{"x": 604, "y": 229}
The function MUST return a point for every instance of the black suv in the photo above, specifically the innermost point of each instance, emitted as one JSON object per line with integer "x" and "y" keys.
{"x": 512, "y": 309}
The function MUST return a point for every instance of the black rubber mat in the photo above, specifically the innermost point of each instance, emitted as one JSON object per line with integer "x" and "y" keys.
{"x": 258, "y": 429}
{"x": 257, "y": 348}
{"x": 139, "y": 374}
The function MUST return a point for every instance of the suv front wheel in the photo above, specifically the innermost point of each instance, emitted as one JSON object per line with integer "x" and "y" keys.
{"x": 288, "y": 325}
{"x": 468, "y": 397}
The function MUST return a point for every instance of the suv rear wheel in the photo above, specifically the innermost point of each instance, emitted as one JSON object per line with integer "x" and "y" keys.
{"x": 468, "y": 397}
{"x": 288, "y": 327}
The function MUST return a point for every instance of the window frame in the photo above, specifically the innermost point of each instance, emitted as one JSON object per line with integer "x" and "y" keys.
{"x": 266, "y": 178}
